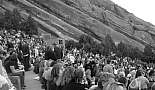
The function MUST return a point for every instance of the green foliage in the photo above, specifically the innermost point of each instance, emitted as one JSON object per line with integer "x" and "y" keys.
{"x": 148, "y": 51}
{"x": 85, "y": 39}
{"x": 70, "y": 44}
{"x": 109, "y": 45}
{"x": 13, "y": 21}
{"x": 121, "y": 49}
{"x": 86, "y": 43}
{"x": 29, "y": 26}
{"x": 125, "y": 50}
{"x": 97, "y": 48}
{"x": 148, "y": 55}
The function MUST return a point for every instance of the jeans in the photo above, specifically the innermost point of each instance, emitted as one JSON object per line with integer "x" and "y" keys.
{"x": 21, "y": 75}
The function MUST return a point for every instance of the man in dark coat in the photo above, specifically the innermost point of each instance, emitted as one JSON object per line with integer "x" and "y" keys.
{"x": 53, "y": 53}
{"x": 26, "y": 56}
{"x": 49, "y": 53}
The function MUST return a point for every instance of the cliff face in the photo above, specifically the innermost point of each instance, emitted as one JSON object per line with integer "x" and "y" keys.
{"x": 71, "y": 18}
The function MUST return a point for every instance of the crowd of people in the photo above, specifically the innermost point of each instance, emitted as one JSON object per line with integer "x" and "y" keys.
{"x": 16, "y": 49}
{"x": 72, "y": 70}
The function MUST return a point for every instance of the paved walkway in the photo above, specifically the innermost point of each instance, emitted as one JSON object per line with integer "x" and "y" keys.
{"x": 30, "y": 82}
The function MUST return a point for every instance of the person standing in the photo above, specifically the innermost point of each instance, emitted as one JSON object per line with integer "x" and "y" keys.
{"x": 26, "y": 56}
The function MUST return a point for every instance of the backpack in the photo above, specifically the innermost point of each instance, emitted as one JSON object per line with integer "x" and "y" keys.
{"x": 116, "y": 86}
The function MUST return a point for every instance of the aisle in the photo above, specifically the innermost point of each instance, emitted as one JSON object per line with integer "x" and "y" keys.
{"x": 30, "y": 82}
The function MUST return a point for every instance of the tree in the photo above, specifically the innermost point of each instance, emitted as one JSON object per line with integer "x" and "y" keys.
{"x": 11, "y": 20}
{"x": 148, "y": 51}
{"x": 69, "y": 44}
{"x": 97, "y": 48}
{"x": 109, "y": 44}
{"x": 121, "y": 49}
{"x": 85, "y": 39}
{"x": 29, "y": 26}
{"x": 87, "y": 47}
{"x": 16, "y": 19}
{"x": 7, "y": 23}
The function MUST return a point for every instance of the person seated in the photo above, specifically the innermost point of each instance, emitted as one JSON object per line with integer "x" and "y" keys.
{"x": 5, "y": 82}
{"x": 14, "y": 69}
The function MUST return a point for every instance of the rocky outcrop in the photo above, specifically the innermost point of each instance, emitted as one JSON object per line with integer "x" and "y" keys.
{"x": 128, "y": 23}
{"x": 96, "y": 18}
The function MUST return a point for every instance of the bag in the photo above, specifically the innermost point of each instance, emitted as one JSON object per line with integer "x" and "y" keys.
{"x": 116, "y": 86}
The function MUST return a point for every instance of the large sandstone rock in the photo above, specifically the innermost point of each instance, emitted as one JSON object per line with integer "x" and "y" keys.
{"x": 72, "y": 18}
{"x": 120, "y": 17}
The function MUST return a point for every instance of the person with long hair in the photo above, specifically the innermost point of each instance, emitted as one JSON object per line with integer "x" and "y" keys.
{"x": 77, "y": 84}
{"x": 14, "y": 69}
{"x": 67, "y": 76}
{"x": 5, "y": 82}
{"x": 56, "y": 74}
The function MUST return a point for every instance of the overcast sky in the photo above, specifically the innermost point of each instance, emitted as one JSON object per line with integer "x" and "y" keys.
{"x": 144, "y": 9}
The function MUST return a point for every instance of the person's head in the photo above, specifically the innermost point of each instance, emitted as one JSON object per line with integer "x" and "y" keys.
{"x": 13, "y": 56}
{"x": 56, "y": 72}
{"x": 105, "y": 78}
{"x": 108, "y": 61}
{"x": 67, "y": 76}
{"x": 121, "y": 74}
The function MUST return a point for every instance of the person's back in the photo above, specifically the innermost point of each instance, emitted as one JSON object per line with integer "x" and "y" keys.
{"x": 144, "y": 82}
{"x": 116, "y": 86}
{"x": 140, "y": 82}
{"x": 108, "y": 68}
{"x": 77, "y": 81}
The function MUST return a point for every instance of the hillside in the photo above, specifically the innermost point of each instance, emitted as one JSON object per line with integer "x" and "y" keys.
{"x": 71, "y": 18}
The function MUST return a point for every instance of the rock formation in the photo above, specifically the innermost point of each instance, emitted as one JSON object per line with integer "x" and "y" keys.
{"x": 71, "y": 18}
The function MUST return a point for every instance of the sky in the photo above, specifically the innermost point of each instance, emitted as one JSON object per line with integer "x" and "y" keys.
{"x": 144, "y": 9}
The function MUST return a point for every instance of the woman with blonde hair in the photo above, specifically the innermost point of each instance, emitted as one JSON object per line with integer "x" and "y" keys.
{"x": 56, "y": 74}
{"x": 67, "y": 76}
{"x": 77, "y": 83}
